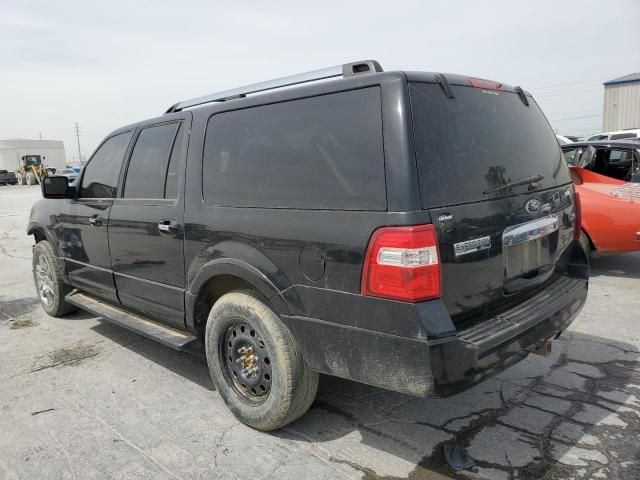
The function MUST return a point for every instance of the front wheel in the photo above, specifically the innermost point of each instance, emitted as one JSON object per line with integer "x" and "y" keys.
{"x": 256, "y": 364}
{"x": 47, "y": 273}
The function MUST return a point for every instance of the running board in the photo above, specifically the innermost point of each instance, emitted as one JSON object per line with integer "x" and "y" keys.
{"x": 171, "y": 337}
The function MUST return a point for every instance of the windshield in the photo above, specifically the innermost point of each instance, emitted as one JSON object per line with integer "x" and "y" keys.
{"x": 67, "y": 171}
{"x": 31, "y": 160}
{"x": 479, "y": 140}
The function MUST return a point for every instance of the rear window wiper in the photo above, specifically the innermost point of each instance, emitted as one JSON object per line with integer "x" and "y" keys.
{"x": 525, "y": 181}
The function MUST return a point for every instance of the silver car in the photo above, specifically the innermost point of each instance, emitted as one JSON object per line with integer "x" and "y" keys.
{"x": 70, "y": 173}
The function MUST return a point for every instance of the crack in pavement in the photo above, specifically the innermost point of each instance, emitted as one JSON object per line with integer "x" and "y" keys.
{"x": 551, "y": 447}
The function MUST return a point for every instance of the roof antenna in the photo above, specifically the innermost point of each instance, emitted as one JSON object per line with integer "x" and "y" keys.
{"x": 522, "y": 95}
{"x": 445, "y": 85}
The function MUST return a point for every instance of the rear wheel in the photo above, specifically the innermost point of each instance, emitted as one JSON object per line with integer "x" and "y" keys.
{"x": 256, "y": 364}
{"x": 47, "y": 274}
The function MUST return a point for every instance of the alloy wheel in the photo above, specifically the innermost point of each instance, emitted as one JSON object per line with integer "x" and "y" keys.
{"x": 44, "y": 280}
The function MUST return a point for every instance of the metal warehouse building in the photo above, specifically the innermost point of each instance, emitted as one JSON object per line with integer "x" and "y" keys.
{"x": 622, "y": 103}
{"x": 51, "y": 151}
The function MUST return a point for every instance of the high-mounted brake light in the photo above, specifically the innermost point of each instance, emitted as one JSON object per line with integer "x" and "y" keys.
{"x": 577, "y": 221}
{"x": 402, "y": 263}
{"x": 486, "y": 84}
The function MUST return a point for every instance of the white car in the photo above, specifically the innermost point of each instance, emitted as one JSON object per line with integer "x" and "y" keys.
{"x": 70, "y": 173}
{"x": 617, "y": 135}
{"x": 562, "y": 140}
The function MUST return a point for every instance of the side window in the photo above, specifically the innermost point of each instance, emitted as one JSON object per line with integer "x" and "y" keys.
{"x": 612, "y": 163}
{"x": 620, "y": 163}
{"x": 173, "y": 171}
{"x": 620, "y": 136}
{"x": 322, "y": 152}
{"x": 100, "y": 177}
{"x": 635, "y": 167}
{"x": 147, "y": 171}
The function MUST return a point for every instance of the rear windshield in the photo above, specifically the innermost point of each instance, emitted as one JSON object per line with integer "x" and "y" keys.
{"x": 478, "y": 140}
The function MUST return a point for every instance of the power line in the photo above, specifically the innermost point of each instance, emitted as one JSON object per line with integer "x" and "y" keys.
{"x": 575, "y": 118}
{"x": 564, "y": 85}
{"x": 568, "y": 92}
{"x": 563, "y": 114}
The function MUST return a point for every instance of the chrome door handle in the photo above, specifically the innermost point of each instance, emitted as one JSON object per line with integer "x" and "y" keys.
{"x": 168, "y": 226}
{"x": 95, "y": 220}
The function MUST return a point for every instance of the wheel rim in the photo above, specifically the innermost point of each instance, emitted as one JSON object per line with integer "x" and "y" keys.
{"x": 44, "y": 280}
{"x": 245, "y": 362}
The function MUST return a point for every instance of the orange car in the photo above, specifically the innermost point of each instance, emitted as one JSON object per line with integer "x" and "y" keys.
{"x": 606, "y": 176}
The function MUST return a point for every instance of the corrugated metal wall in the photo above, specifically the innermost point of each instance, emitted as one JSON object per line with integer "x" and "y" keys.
{"x": 621, "y": 106}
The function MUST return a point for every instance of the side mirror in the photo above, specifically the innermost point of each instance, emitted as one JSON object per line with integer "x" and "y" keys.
{"x": 56, "y": 187}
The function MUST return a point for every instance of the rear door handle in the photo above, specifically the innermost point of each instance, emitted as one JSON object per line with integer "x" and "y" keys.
{"x": 95, "y": 220}
{"x": 168, "y": 226}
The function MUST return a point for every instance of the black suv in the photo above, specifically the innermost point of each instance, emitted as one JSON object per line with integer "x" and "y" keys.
{"x": 8, "y": 178}
{"x": 414, "y": 231}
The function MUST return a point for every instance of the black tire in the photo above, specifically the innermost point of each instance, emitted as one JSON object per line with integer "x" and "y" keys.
{"x": 292, "y": 385}
{"x": 31, "y": 178}
{"x": 52, "y": 300}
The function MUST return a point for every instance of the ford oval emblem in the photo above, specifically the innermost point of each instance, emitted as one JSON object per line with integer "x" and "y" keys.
{"x": 532, "y": 206}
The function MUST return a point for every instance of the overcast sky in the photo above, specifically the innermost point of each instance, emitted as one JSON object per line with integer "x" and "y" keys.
{"x": 106, "y": 64}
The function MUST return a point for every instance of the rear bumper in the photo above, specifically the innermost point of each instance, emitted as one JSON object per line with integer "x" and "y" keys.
{"x": 422, "y": 364}
{"x": 489, "y": 347}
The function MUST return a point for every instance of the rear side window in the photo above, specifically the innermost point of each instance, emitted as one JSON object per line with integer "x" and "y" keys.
{"x": 171, "y": 181}
{"x": 316, "y": 153}
{"x": 479, "y": 140}
{"x": 100, "y": 178}
{"x": 620, "y": 136}
{"x": 150, "y": 161}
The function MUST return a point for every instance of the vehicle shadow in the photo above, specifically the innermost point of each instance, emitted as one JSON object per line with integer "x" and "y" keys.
{"x": 541, "y": 418}
{"x": 544, "y": 417}
{"x": 626, "y": 265}
{"x": 192, "y": 367}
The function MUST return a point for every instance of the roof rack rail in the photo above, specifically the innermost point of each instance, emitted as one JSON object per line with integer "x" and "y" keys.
{"x": 346, "y": 70}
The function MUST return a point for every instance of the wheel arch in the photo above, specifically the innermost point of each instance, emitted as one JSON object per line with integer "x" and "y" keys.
{"x": 585, "y": 231}
{"x": 40, "y": 233}
{"x": 221, "y": 276}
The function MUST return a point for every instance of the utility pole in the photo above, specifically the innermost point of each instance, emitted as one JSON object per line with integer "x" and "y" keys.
{"x": 78, "y": 139}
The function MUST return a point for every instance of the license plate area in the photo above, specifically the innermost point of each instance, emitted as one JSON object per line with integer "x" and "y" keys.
{"x": 529, "y": 251}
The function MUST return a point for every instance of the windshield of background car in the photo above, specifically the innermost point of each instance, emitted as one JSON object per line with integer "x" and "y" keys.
{"x": 479, "y": 140}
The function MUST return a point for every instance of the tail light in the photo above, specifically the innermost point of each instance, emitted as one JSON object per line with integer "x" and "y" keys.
{"x": 577, "y": 221}
{"x": 402, "y": 263}
{"x": 484, "y": 84}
